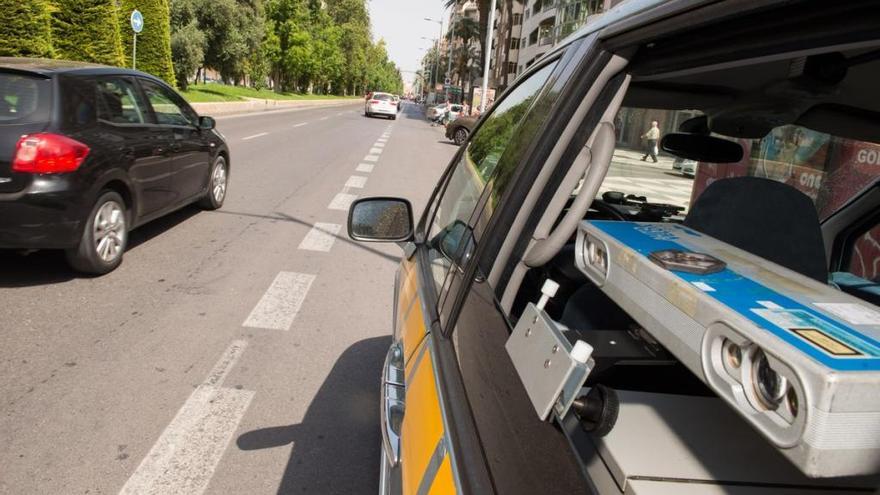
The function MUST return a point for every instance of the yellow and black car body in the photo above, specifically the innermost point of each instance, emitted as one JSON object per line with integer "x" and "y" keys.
{"x": 456, "y": 417}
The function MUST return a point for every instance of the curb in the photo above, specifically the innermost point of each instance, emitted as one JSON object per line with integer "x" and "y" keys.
{"x": 215, "y": 109}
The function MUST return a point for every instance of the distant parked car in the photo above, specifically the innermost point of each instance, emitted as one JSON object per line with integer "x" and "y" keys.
{"x": 381, "y": 104}
{"x": 686, "y": 167}
{"x": 459, "y": 129}
{"x": 89, "y": 152}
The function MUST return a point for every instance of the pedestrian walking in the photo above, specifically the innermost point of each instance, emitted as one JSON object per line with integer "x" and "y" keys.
{"x": 652, "y": 137}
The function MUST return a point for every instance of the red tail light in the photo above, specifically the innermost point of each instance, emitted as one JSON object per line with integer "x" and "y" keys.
{"x": 46, "y": 153}
{"x": 393, "y": 103}
{"x": 373, "y": 102}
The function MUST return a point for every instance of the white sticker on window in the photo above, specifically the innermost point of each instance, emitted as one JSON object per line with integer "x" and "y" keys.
{"x": 854, "y": 314}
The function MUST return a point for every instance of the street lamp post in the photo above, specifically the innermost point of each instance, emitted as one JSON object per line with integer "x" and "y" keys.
{"x": 486, "y": 57}
{"x": 438, "y": 47}
{"x": 434, "y": 69}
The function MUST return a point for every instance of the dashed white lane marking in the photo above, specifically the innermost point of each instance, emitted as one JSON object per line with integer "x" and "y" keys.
{"x": 342, "y": 201}
{"x": 375, "y": 151}
{"x": 279, "y": 305}
{"x": 321, "y": 237}
{"x": 324, "y": 118}
{"x": 301, "y": 124}
{"x": 378, "y": 144}
{"x": 371, "y": 158}
{"x": 382, "y": 140}
{"x": 356, "y": 181}
{"x": 184, "y": 458}
{"x": 365, "y": 167}
{"x": 255, "y": 136}
{"x": 340, "y": 114}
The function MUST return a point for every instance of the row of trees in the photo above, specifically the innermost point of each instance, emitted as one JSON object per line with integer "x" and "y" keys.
{"x": 304, "y": 46}
{"x": 291, "y": 45}
{"x": 87, "y": 30}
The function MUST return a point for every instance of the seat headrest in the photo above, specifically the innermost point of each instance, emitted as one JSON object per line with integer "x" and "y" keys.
{"x": 767, "y": 218}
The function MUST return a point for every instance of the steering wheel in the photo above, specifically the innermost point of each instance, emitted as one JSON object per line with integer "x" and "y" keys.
{"x": 603, "y": 207}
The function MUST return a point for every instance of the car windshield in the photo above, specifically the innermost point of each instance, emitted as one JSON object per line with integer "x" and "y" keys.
{"x": 24, "y": 99}
{"x": 829, "y": 169}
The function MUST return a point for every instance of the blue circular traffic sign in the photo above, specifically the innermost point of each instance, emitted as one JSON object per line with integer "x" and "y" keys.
{"x": 137, "y": 21}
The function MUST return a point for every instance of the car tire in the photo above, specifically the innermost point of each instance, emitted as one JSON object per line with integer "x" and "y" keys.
{"x": 104, "y": 236}
{"x": 460, "y": 136}
{"x": 218, "y": 181}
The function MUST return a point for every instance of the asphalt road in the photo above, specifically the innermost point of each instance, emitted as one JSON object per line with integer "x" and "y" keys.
{"x": 235, "y": 351}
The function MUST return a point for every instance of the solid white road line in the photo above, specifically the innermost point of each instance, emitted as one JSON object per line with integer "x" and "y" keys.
{"x": 365, "y": 167}
{"x": 342, "y": 201}
{"x": 279, "y": 305}
{"x": 375, "y": 151}
{"x": 184, "y": 458}
{"x": 321, "y": 237}
{"x": 356, "y": 181}
{"x": 301, "y": 124}
{"x": 255, "y": 136}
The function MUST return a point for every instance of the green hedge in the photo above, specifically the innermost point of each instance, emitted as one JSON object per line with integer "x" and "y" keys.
{"x": 154, "y": 42}
{"x": 25, "y": 30}
{"x": 84, "y": 30}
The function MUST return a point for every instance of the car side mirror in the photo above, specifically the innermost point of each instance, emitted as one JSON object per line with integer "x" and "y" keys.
{"x": 456, "y": 243}
{"x": 380, "y": 220}
{"x": 207, "y": 123}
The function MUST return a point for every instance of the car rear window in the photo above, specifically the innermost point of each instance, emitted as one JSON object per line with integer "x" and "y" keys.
{"x": 381, "y": 97}
{"x": 24, "y": 99}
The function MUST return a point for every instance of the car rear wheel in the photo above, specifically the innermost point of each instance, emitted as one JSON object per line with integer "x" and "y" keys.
{"x": 104, "y": 237}
{"x": 217, "y": 183}
{"x": 460, "y": 136}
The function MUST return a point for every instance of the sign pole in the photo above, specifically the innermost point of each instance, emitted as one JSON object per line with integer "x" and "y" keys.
{"x": 134, "y": 51}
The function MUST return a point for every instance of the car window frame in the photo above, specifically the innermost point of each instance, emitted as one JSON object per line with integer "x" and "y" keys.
{"x": 149, "y": 116}
{"x": 192, "y": 115}
{"x": 476, "y": 213}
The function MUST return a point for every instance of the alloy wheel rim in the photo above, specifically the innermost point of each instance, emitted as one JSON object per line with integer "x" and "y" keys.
{"x": 460, "y": 134}
{"x": 109, "y": 231}
{"x": 219, "y": 181}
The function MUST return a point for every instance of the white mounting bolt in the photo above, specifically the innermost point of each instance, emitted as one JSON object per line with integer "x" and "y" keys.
{"x": 581, "y": 352}
{"x": 547, "y": 291}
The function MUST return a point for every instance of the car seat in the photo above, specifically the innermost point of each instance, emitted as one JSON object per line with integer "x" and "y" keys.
{"x": 767, "y": 218}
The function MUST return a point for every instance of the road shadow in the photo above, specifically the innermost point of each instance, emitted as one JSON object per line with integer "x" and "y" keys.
{"x": 161, "y": 225}
{"x": 288, "y": 218}
{"x": 677, "y": 175}
{"x": 337, "y": 447}
{"x": 19, "y": 268}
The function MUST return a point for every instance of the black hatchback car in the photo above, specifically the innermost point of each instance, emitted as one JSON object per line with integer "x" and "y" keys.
{"x": 89, "y": 152}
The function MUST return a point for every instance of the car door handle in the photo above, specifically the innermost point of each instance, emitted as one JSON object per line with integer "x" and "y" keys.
{"x": 392, "y": 402}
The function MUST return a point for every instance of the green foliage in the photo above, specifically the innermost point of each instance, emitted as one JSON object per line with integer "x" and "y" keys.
{"x": 187, "y": 52}
{"x": 222, "y": 92}
{"x": 84, "y": 30}
{"x": 25, "y": 30}
{"x": 154, "y": 42}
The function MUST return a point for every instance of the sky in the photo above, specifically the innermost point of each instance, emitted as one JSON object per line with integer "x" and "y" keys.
{"x": 402, "y": 24}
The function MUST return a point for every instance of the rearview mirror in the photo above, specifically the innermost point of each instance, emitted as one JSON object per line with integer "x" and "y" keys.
{"x": 702, "y": 148}
{"x": 207, "y": 123}
{"x": 380, "y": 220}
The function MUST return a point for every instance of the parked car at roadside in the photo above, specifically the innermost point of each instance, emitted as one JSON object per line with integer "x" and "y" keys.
{"x": 89, "y": 152}
{"x": 459, "y": 129}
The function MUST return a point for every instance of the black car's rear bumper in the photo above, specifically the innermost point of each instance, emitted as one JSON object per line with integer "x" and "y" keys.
{"x": 46, "y": 215}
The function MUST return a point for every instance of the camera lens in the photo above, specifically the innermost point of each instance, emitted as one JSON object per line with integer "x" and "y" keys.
{"x": 769, "y": 385}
